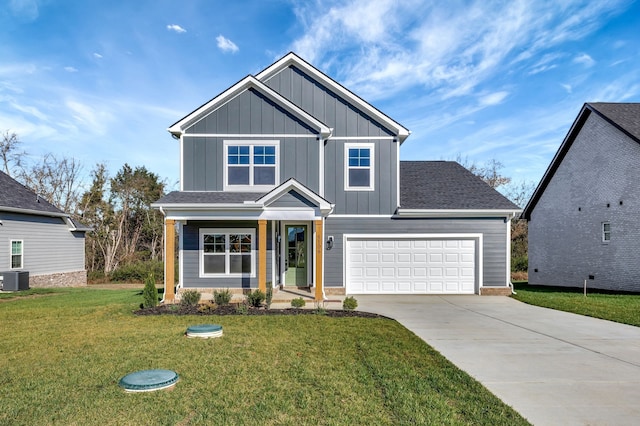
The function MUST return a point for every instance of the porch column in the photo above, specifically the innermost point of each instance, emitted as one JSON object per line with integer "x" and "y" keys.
{"x": 262, "y": 255}
{"x": 169, "y": 259}
{"x": 319, "y": 259}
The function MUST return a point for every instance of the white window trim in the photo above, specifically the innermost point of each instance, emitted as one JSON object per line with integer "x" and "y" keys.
{"x": 251, "y": 144}
{"x": 21, "y": 254}
{"x": 604, "y": 233}
{"x": 227, "y": 231}
{"x": 372, "y": 154}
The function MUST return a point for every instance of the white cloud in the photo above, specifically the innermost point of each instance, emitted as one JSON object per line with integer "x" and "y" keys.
{"x": 384, "y": 48}
{"x": 493, "y": 98}
{"x": 567, "y": 87}
{"x": 226, "y": 45}
{"x": 70, "y": 69}
{"x": 176, "y": 28}
{"x": 584, "y": 59}
{"x": 97, "y": 55}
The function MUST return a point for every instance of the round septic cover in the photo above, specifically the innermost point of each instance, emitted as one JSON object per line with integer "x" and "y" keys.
{"x": 204, "y": 330}
{"x": 148, "y": 380}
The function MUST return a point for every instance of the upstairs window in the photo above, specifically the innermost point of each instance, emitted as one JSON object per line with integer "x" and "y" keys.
{"x": 251, "y": 165}
{"x": 606, "y": 232}
{"x": 16, "y": 254}
{"x": 359, "y": 161}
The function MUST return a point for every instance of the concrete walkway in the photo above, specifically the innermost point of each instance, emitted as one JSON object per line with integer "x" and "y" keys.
{"x": 553, "y": 367}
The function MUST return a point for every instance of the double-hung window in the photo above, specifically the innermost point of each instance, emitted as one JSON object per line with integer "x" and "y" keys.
{"x": 16, "y": 254}
{"x": 227, "y": 252}
{"x": 359, "y": 161}
{"x": 606, "y": 232}
{"x": 251, "y": 165}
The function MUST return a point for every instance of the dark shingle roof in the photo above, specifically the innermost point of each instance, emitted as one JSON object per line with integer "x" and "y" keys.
{"x": 446, "y": 185}
{"x": 208, "y": 197}
{"x": 625, "y": 116}
{"x": 17, "y": 196}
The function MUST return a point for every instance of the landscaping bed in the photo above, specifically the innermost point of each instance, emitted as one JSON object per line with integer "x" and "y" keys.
{"x": 240, "y": 309}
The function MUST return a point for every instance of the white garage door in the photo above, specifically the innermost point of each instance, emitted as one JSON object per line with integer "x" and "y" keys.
{"x": 411, "y": 266}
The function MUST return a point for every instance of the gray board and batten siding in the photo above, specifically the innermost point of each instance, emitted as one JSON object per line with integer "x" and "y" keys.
{"x": 49, "y": 246}
{"x": 191, "y": 256}
{"x": 494, "y": 231}
{"x": 596, "y": 182}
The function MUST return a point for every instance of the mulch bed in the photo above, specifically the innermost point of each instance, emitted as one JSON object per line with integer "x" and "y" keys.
{"x": 233, "y": 310}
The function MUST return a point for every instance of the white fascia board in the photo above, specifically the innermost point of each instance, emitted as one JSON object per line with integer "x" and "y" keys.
{"x": 245, "y": 84}
{"x": 206, "y": 206}
{"x": 33, "y": 212}
{"x": 509, "y": 214}
{"x": 293, "y": 59}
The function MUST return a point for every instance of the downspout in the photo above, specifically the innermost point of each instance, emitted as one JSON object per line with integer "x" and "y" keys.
{"x": 510, "y": 283}
{"x": 164, "y": 250}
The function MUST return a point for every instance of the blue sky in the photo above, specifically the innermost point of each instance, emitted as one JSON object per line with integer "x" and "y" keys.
{"x": 101, "y": 81}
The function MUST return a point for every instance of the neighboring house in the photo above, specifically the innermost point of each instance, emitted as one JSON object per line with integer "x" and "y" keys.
{"x": 38, "y": 238}
{"x": 583, "y": 215}
{"x": 290, "y": 179}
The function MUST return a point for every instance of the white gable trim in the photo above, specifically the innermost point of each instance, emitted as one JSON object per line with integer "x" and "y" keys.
{"x": 243, "y": 85}
{"x": 293, "y": 184}
{"x": 293, "y": 59}
{"x": 508, "y": 214}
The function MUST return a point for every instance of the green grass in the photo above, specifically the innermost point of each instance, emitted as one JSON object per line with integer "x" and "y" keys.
{"x": 624, "y": 308}
{"x": 62, "y": 358}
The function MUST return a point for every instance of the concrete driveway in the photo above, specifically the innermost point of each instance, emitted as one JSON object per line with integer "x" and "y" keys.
{"x": 553, "y": 367}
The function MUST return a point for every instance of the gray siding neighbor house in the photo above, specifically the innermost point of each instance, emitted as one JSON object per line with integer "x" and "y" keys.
{"x": 38, "y": 238}
{"x": 583, "y": 215}
{"x": 290, "y": 179}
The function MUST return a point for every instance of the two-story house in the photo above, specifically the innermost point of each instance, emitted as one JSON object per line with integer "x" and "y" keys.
{"x": 288, "y": 178}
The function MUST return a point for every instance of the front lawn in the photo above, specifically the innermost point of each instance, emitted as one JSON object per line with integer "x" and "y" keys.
{"x": 624, "y": 308}
{"x": 63, "y": 355}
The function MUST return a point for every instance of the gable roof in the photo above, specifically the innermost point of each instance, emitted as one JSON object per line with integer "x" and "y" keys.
{"x": 15, "y": 197}
{"x": 243, "y": 85}
{"x": 446, "y": 185}
{"x": 623, "y": 116}
{"x": 291, "y": 59}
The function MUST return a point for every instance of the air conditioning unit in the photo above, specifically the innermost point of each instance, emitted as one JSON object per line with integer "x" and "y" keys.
{"x": 15, "y": 280}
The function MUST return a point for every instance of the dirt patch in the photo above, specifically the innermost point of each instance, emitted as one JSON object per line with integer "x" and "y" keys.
{"x": 234, "y": 309}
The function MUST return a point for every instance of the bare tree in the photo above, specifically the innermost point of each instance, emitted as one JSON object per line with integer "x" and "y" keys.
{"x": 10, "y": 153}
{"x": 55, "y": 179}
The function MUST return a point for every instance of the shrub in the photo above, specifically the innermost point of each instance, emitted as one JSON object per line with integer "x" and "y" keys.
{"x": 138, "y": 271}
{"x": 150, "y": 292}
{"x": 519, "y": 264}
{"x": 298, "y": 302}
{"x": 349, "y": 303}
{"x": 242, "y": 309}
{"x": 255, "y": 298}
{"x": 189, "y": 297}
{"x": 269, "y": 295}
{"x": 222, "y": 297}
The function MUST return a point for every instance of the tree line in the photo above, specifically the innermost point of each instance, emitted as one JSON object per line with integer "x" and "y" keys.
{"x": 126, "y": 230}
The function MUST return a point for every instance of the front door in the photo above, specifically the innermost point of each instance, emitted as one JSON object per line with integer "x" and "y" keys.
{"x": 296, "y": 256}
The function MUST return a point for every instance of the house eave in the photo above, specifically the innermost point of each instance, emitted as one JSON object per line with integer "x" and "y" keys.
{"x": 293, "y": 59}
{"x": 455, "y": 213}
{"x": 249, "y": 82}
{"x": 33, "y": 212}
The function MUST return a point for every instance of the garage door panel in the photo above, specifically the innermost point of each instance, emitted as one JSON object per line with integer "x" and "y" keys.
{"x": 411, "y": 266}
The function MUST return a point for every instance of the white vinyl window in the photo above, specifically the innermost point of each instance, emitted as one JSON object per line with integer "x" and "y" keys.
{"x": 358, "y": 167}
{"x": 251, "y": 165}
{"x": 16, "y": 254}
{"x": 227, "y": 252}
{"x": 606, "y": 232}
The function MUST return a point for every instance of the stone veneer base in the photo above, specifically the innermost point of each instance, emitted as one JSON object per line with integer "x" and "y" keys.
{"x": 62, "y": 279}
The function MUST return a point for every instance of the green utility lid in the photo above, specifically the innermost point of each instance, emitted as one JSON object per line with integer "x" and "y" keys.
{"x": 148, "y": 380}
{"x": 204, "y": 330}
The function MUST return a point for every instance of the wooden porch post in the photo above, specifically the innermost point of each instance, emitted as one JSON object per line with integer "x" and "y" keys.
{"x": 319, "y": 259}
{"x": 169, "y": 260}
{"x": 262, "y": 255}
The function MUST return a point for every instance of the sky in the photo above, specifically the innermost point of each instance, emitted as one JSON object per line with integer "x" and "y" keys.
{"x": 478, "y": 80}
